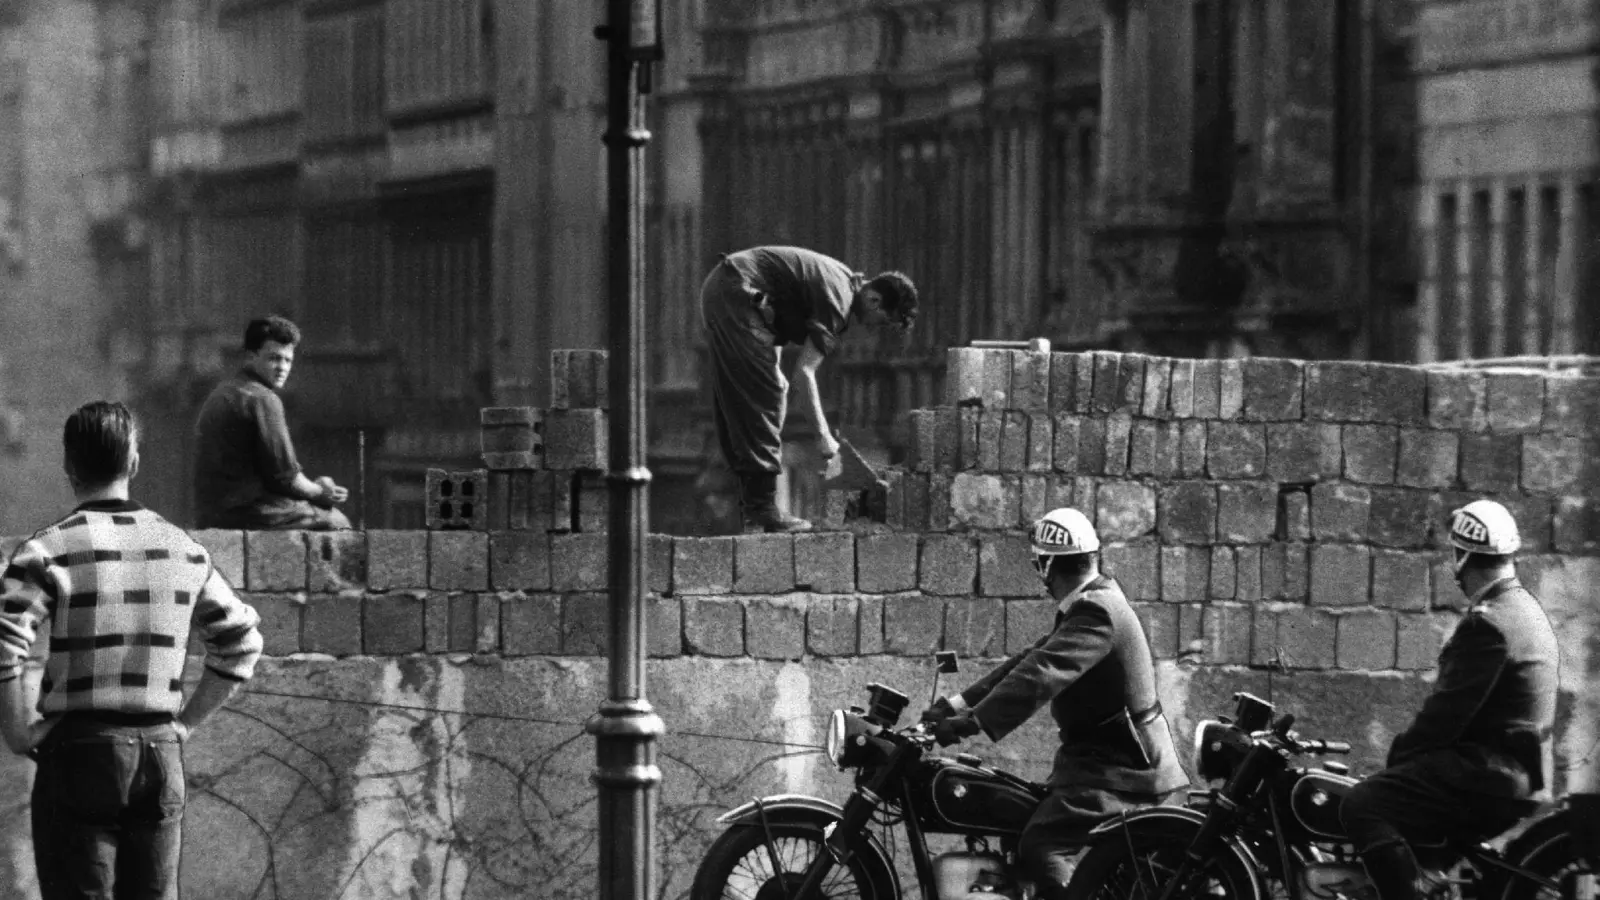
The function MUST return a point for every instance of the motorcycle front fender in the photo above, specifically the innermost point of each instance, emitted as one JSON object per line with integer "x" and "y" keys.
{"x": 811, "y": 810}
{"x": 1180, "y": 824}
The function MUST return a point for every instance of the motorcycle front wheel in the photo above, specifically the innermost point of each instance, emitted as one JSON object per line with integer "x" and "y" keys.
{"x": 1124, "y": 866}
{"x": 743, "y": 865}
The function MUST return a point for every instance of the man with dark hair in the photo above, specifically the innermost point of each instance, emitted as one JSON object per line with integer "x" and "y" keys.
{"x": 754, "y": 302}
{"x": 246, "y": 474}
{"x": 117, "y": 589}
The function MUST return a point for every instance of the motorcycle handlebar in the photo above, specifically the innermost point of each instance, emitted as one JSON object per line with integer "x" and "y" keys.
{"x": 1311, "y": 745}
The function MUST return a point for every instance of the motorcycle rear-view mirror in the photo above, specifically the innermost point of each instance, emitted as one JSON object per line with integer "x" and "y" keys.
{"x": 946, "y": 661}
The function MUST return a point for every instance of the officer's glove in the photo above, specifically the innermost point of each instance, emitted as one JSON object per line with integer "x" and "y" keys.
{"x": 953, "y": 729}
{"x": 938, "y": 712}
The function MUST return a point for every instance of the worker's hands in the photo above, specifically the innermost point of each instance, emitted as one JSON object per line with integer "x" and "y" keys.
{"x": 954, "y": 728}
{"x": 332, "y": 493}
{"x": 938, "y": 712}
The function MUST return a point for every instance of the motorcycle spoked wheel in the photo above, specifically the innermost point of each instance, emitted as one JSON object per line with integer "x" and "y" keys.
{"x": 1552, "y": 858}
{"x": 1138, "y": 867}
{"x": 739, "y": 866}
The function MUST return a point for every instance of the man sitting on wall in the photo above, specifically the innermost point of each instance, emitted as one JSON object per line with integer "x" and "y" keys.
{"x": 246, "y": 474}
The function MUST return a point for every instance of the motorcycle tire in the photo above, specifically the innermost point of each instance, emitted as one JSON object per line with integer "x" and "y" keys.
{"x": 739, "y": 866}
{"x": 1546, "y": 850}
{"x": 1126, "y": 865}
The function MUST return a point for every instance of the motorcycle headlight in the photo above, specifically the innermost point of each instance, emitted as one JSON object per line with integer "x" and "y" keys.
{"x": 836, "y": 737}
{"x": 1217, "y": 749}
{"x": 847, "y": 743}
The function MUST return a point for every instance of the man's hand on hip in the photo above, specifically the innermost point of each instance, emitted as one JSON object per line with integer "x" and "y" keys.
{"x": 332, "y": 493}
{"x": 827, "y": 445}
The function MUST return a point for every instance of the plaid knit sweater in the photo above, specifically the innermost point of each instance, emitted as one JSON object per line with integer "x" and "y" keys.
{"x": 120, "y": 587}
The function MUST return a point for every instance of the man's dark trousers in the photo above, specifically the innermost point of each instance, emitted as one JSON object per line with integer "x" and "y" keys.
{"x": 107, "y": 812}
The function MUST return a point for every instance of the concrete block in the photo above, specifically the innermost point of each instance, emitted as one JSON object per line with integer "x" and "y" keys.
{"x": 558, "y": 514}
{"x": 1308, "y": 638}
{"x": 1401, "y": 579}
{"x": 585, "y": 376}
{"x": 1063, "y": 381}
{"x": 1208, "y": 388}
{"x": 1180, "y": 389}
{"x": 280, "y": 626}
{"x": 1014, "y": 441}
{"x": 991, "y": 426}
{"x": 1491, "y": 462}
{"x": 530, "y": 624}
{"x": 485, "y": 621}
{"x": 1030, "y": 381}
{"x": 1083, "y": 384}
{"x": 1446, "y": 595}
{"x": 913, "y": 625}
{"x": 519, "y": 561}
{"x": 518, "y": 499}
{"x": 1396, "y": 394}
{"x": 1366, "y": 640}
{"x": 391, "y": 624}
{"x": 1230, "y": 385}
{"x": 1041, "y": 442}
{"x": 440, "y": 624}
{"x": 1042, "y": 493}
{"x": 1119, "y": 435}
{"x": 1572, "y": 405}
{"x": 917, "y": 489}
{"x": 948, "y": 565}
{"x": 591, "y": 502}
{"x": 1026, "y": 622}
{"x": 1294, "y": 515}
{"x": 1125, "y": 510}
{"x": 1247, "y": 512}
{"x": 1228, "y": 631}
{"x": 763, "y": 564}
{"x": 833, "y": 626}
{"x": 1092, "y": 446}
{"x": 332, "y": 625}
{"x": 1185, "y": 574}
{"x": 975, "y": 627}
{"x": 1236, "y": 450}
{"x": 946, "y": 449}
{"x": 1064, "y": 453}
{"x": 886, "y": 563}
{"x": 336, "y": 560}
{"x": 869, "y": 624}
{"x": 1303, "y": 451}
{"x": 1155, "y": 404}
{"x": 1160, "y": 623}
{"x": 498, "y": 503}
{"x": 1224, "y": 575}
{"x": 1575, "y": 526}
{"x": 1399, "y": 517}
{"x": 777, "y": 627}
{"x": 226, "y": 549}
{"x": 458, "y": 560}
{"x": 1516, "y": 401}
{"x": 1341, "y": 574}
{"x": 1107, "y": 390}
{"x": 666, "y": 626}
{"x": 1533, "y": 515}
{"x": 275, "y": 561}
{"x": 985, "y": 501}
{"x": 997, "y": 379}
{"x": 825, "y": 562}
{"x": 511, "y": 437}
{"x": 1274, "y": 390}
{"x": 1085, "y": 492}
{"x": 1154, "y": 448}
{"x": 702, "y": 565}
{"x": 1191, "y": 631}
{"x": 1247, "y": 574}
{"x": 1187, "y": 512}
{"x": 456, "y": 499}
{"x": 713, "y": 626}
{"x": 963, "y": 376}
{"x": 1419, "y": 638}
{"x": 397, "y": 559}
{"x": 1005, "y": 566}
{"x": 575, "y": 439}
{"x": 922, "y": 440}
{"x": 1285, "y": 572}
{"x": 1136, "y": 567}
{"x": 838, "y": 508}
{"x": 1192, "y": 449}
{"x": 1130, "y": 381}
{"x": 1458, "y": 401}
{"x": 1428, "y": 458}
{"x": 969, "y": 430}
{"x": 1265, "y": 651}
{"x": 1340, "y": 512}
{"x": 1337, "y": 391}
{"x": 1371, "y": 453}
{"x": 585, "y": 624}
{"x": 1552, "y": 463}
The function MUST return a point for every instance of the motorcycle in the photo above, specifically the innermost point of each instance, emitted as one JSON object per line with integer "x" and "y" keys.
{"x": 1272, "y": 829}
{"x": 796, "y": 847}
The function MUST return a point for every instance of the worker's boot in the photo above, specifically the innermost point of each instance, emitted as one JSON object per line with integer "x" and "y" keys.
{"x": 758, "y": 503}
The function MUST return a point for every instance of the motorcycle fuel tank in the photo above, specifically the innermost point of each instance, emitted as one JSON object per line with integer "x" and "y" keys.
{"x": 970, "y": 798}
{"x": 1315, "y": 801}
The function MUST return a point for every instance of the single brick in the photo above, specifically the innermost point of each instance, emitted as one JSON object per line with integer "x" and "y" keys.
{"x": 894, "y": 500}
{"x": 511, "y": 437}
{"x": 886, "y": 563}
{"x": 1399, "y": 517}
{"x": 1187, "y": 512}
{"x": 1119, "y": 434}
{"x": 1401, "y": 579}
{"x": 869, "y": 624}
{"x": 1366, "y": 640}
{"x": 1396, "y": 394}
{"x": 1063, "y": 381}
{"x": 1083, "y": 384}
{"x": 486, "y": 622}
{"x": 397, "y": 559}
{"x": 1125, "y": 510}
{"x": 963, "y": 376}
{"x": 1285, "y": 572}
{"x": 1419, "y": 639}
{"x": 991, "y": 428}
{"x": 916, "y": 489}
{"x": 1154, "y": 448}
{"x": 1014, "y": 441}
{"x": 1036, "y": 490}
{"x": 1107, "y": 388}
{"x": 1231, "y": 386}
{"x": 1136, "y": 567}
{"x": 530, "y": 624}
{"x": 939, "y": 503}
{"x": 1336, "y": 391}
{"x": 1229, "y": 629}
{"x": 1552, "y": 464}
{"x": 1458, "y": 401}
{"x": 336, "y": 560}
{"x": 1026, "y": 622}
{"x": 1041, "y": 442}
{"x": 1208, "y": 388}
{"x": 1192, "y": 449}
{"x": 585, "y": 624}
{"x": 1091, "y": 456}
{"x": 666, "y": 626}
{"x": 1224, "y": 574}
{"x": 1247, "y": 512}
{"x": 1533, "y": 515}
{"x": 1491, "y": 462}
{"x": 275, "y": 561}
{"x": 591, "y": 502}
{"x": 1575, "y": 527}
{"x": 713, "y": 626}
{"x": 1157, "y": 388}
{"x": 280, "y": 626}
{"x": 458, "y": 560}
{"x": 1446, "y": 595}
{"x": 498, "y": 503}
{"x": 763, "y": 564}
{"x": 1066, "y": 436}
{"x": 456, "y": 499}
{"x": 1340, "y": 512}
{"x": 1185, "y": 574}
{"x": 832, "y": 626}
{"x": 1191, "y": 631}
{"x": 1571, "y": 405}
{"x": 997, "y": 378}
{"x": 1265, "y": 651}
{"x": 947, "y": 439}
{"x": 948, "y": 565}
{"x": 1160, "y": 623}
{"x": 702, "y": 565}
{"x": 1030, "y": 381}
{"x": 1303, "y": 451}
{"x": 1341, "y": 574}
{"x": 226, "y": 549}
{"x": 975, "y": 627}
{"x": 332, "y": 625}
{"x": 519, "y": 560}
{"x": 985, "y": 501}
{"x": 913, "y": 625}
{"x": 1180, "y": 391}
{"x": 1005, "y": 566}
{"x": 1516, "y": 401}
{"x": 513, "y": 491}
{"x": 825, "y": 562}
{"x": 1428, "y": 458}
{"x": 777, "y": 627}
{"x": 1236, "y": 450}
{"x": 658, "y": 557}
{"x": 921, "y": 440}
{"x": 437, "y": 620}
{"x": 1308, "y": 637}
{"x": 1294, "y": 515}
{"x": 968, "y": 454}
{"x": 1273, "y": 389}
{"x": 575, "y": 439}
{"x": 391, "y": 623}
{"x": 1371, "y": 453}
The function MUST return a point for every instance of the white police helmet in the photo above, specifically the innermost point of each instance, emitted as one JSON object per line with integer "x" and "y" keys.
{"x": 1061, "y": 532}
{"x": 1483, "y": 526}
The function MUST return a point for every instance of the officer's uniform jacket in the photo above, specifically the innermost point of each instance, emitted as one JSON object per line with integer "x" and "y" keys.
{"x": 1094, "y": 669}
{"x": 1495, "y": 697}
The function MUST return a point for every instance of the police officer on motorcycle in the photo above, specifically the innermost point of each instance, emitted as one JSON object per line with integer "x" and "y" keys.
{"x": 1094, "y": 669}
{"x": 1477, "y": 756}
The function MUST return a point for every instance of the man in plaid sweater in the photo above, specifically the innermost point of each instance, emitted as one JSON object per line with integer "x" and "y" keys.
{"x": 117, "y": 589}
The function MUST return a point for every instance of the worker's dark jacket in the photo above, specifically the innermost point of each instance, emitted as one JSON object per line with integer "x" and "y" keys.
{"x": 243, "y": 457}
{"x": 803, "y": 295}
{"x": 1094, "y": 669}
{"x": 1495, "y": 698}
